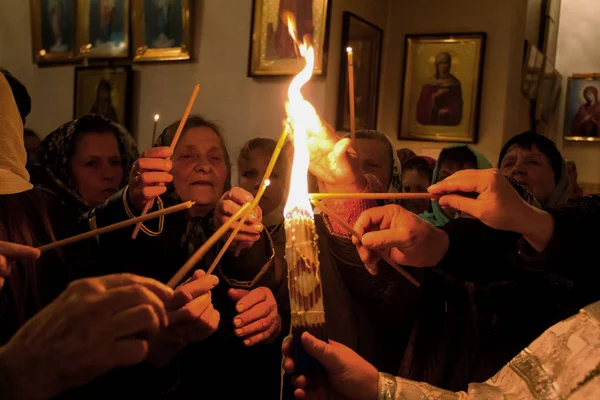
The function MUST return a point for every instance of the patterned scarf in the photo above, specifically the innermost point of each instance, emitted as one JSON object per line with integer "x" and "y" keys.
{"x": 57, "y": 148}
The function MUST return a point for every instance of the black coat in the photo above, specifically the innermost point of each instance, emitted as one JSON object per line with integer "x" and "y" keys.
{"x": 492, "y": 295}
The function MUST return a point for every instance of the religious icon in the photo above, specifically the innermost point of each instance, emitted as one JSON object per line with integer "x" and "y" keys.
{"x": 442, "y": 87}
{"x": 104, "y": 91}
{"x": 162, "y": 29}
{"x": 582, "y": 113}
{"x": 440, "y": 102}
{"x": 53, "y": 33}
{"x": 107, "y": 26}
{"x": 272, "y": 50}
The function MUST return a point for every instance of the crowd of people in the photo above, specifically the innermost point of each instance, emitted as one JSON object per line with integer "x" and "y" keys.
{"x": 504, "y": 258}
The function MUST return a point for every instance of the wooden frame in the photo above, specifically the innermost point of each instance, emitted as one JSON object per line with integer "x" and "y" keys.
{"x": 94, "y": 41}
{"x": 547, "y": 98}
{"x": 422, "y": 117}
{"x": 582, "y": 121}
{"x": 54, "y": 31}
{"x": 366, "y": 40}
{"x": 174, "y": 46}
{"x": 87, "y": 94}
{"x": 532, "y": 71}
{"x": 265, "y": 58}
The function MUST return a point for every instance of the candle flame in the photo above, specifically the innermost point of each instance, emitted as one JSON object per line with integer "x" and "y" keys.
{"x": 303, "y": 118}
{"x": 156, "y": 117}
{"x": 349, "y": 49}
{"x": 267, "y": 182}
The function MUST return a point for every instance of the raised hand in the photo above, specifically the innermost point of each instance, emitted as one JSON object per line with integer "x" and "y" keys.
{"x": 229, "y": 204}
{"x": 95, "y": 325}
{"x": 497, "y": 205}
{"x": 349, "y": 376}
{"x": 400, "y": 235}
{"x": 9, "y": 252}
{"x": 149, "y": 175}
{"x": 258, "y": 319}
{"x": 192, "y": 318}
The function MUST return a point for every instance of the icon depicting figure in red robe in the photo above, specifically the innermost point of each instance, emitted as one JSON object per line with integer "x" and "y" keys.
{"x": 587, "y": 119}
{"x": 440, "y": 102}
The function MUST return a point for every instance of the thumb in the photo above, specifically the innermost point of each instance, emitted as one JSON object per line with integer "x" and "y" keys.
{"x": 237, "y": 294}
{"x": 386, "y": 238}
{"x": 340, "y": 148}
{"x": 320, "y": 351}
{"x": 461, "y": 203}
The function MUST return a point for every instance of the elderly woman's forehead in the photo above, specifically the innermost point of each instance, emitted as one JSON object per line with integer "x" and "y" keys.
{"x": 524, "y": 150}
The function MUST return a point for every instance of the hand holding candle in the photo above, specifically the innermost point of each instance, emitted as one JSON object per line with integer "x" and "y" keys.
{"x": 249, "y": 230}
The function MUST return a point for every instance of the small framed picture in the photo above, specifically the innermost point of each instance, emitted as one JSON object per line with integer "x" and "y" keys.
{"x": 366, "y": 40}
{"x": 104, "y": 28}
{"x": 272, "y": 50}
{"x": 582, "y": 110}
{"x": 54, "y": 31}
{"x": 442, "y": 87}
{"x": 162, "y": 30}
{"x": 532, "y": 71}
{"x": 104, "y": 91}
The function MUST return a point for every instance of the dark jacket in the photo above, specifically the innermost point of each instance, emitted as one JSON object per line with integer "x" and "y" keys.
{"x": 492, "y": 295}
{"x": 215, "y": 363}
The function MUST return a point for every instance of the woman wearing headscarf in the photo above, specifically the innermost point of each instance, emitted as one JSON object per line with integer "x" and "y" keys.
{"x": 534, "y": 161}
{"x": 249, "y": 330}
{"x": 51, "y": 343}
{"x": 452, "y": 158}
{"x": 377, "y": 157}
{"x": 85, "y": 161}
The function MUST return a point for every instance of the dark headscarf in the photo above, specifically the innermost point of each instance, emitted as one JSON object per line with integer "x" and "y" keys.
{"x": 20, "y": 93}
{"x": 57, "y": 148}
{"x": 527, "y": 140}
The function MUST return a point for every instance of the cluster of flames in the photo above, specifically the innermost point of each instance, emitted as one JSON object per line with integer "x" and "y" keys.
{"x": 303, "y": 118}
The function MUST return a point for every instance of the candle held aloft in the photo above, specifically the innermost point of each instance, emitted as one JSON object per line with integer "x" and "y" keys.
{"x": 351, "y": 93}
{"x": 301, "y": 250}
{"x": 156, "y": 118}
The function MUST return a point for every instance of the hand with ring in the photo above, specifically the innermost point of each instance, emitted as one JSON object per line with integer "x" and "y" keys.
{"x": 149, "y": 175}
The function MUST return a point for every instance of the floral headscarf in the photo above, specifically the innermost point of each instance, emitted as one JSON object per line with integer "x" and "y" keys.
{"x": 396, "y": 175}
{"x": 57, "y": 149}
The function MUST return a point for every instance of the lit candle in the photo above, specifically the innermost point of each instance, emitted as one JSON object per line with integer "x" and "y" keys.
{"x": 156, "y": 118}
{"x": 301, "y": 249}
{"x": 351, "y": 92}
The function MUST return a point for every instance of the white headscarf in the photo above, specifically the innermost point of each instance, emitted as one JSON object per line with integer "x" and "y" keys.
{"x": 14, "y": 178}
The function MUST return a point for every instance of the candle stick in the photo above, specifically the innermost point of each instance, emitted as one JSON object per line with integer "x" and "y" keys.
{"x": 351, "y": 93}
{"x": 263, "y": 186}
{"x": 341, "y": 221}
{"x": 186, "y": 113}
{"x": 375, "y": 196}
{"x": 156, "y": 118}
{"x": 114, "y": 227}
{"x": 201, "y": 252}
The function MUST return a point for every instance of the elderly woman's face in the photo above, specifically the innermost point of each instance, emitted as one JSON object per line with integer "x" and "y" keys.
{"x": 96, "y": 167}
{"x": 375, "y": 159}
{"x": 199, "y": 169}
{"x": 532, "y": 169}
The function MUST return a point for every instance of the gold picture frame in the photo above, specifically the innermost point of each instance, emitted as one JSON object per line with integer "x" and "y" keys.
{"x": 103, "y": 28}
{"x": 162, "y": 34}
{"x": 268, "y": 58}
{"x": 54, "y": 31}
{"x": 582, "y": 118}
{"x": 442, "y": 87}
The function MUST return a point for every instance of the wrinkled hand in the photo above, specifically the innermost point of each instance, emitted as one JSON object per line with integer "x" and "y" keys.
{"x": 400, "y": 236}
{"x": 229, "y": 204}
{"x": 498, "y": 205}
{"x": 9, "y": 252}
{"x": 258, "y": 320}
{"x": 192, "y": 318}
{"x": 332, "y": 161}
{"x": 149, "y": 175}
{"x": 349, "y": 376}
{"x": 95, "y": 325}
